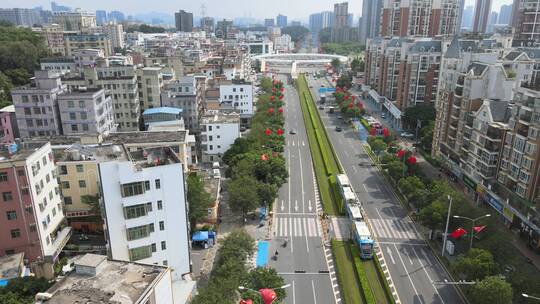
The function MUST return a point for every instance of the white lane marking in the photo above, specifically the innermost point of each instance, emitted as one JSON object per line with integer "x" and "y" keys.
{"x": 389, "y": 251}
{"x": 282, "y": 206}
{"x": 423, "y": 267}
{"x": 302, "y": 180}
{"x": 314, "y": 296}
{"x": 295, "y": 205}
{"x": 354, "y": 169}
{"x": 296, "y": 228}
{"x": 409, "y": 255}
{"x": 364, "y": 185}
{"x": 397, "y": 229}
{"x": 309, "y": 205}
{"x": 289, "y": 183}
{"x": 293, "y": 293}
{"x": 306, "y": 233}
{"x": 293, "y": 143}
{"x": 409, "y": 276}
{"x": 303, "y": 143}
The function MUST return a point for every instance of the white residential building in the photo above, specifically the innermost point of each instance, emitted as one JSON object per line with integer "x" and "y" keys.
{"x": 283, "y": 43}
{"x": 218, "y": 133}
{"x": 145, "y": 207}
{"x": 150, "y": 81}
{"x": 237, "y": 96}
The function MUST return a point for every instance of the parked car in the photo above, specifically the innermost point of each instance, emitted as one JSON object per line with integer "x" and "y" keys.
{"x": 338, "y": 129}
{"x": 292, "y": 131}
{"x": 406, "y": 135}
{"x": 321, "y": 108}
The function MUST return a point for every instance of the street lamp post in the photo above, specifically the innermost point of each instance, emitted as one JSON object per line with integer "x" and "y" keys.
{"x": 472, "y": 226}
{"x": 530, "y": 297}
{"x": 447, "y": 223}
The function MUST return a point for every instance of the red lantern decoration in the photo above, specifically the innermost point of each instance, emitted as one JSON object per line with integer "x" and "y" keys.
{"x": 264, "y": 157}
{"x": 279, "y": 131}
{"x": 400, "y": 153}
{"x": 411, "y": 160}
{"x": 360, "y": 105}
{"x": 373, "y": 131}
{"x": 282, "y": 89}
{"x": 268, "y": 131}
{"x": 272, "y": 97}
{"x": 270, "y": 110}
{"x": 353, "y": 98}
{"x": 268, "y": 295}
{"x": 275, "y": 82}
{"x": 248, "y": 301}
{"x": 280, "y": 97}
{"x": 338, "y": 89}
{"x": 274, "y": 90}
{"x": 385, "y": 132}
{"x": 280, "y": 110}
{"x": 346, "y": 97}
{"x": 351, "y": 105}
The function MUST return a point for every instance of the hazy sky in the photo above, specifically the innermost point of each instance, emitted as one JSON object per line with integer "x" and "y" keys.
{"x": 294, "y": 9}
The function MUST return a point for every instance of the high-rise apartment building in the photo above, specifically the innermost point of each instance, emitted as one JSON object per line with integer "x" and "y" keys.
{"x": 20, "y": 16}
{"x": 420, "y": 18}
{"x": 74, "y": 21}
{"x": 526, "y": 20}
{"x": 54, "y": 38}
{"x": 207, "y": 24}
{"x": 223, "y": 27}
{"x": 145, "y": 208}
{"x": 482, "y": 10}
{"x": 505, "y": 14}
{"x": 101, "y": 17}
{"x": 116, "y": 16}
{"x": 281, "y": 21}
{"x": 341, "y": 15}
{"x": 493, "y": 19}
{"x": 73, "y": 43}
{"x": 370, "y": 21}
{"x": 183, "y": 21}
{"x": 467, "y": 17}
{"x": 32, "y": 219}
{"x": 268, "y": 22}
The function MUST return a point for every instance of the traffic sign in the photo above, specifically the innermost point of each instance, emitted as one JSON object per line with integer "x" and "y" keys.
{"x": 331, "y": 90}
{"x": 322, "y": 90}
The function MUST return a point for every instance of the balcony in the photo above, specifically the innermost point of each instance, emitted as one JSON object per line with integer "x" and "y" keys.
{"x": 460, "y": 80}
{"x": 60, "y": 239}
{"x": 525, "y": 117}
{"x": 523, "y": 130}
{"x": 459, "y": 91}
{"x": 494, "y": 134}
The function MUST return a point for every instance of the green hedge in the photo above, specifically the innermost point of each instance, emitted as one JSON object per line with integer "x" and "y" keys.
{"x": 365, "y": 123}
{"x": 362, "y": 277}
{"x": 347, "y": 279}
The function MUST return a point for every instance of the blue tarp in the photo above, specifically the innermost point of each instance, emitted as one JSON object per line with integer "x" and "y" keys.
{"x": 262, "y": 253}
{"x": 200, "y": 236}
{"x": 3, "y": 282}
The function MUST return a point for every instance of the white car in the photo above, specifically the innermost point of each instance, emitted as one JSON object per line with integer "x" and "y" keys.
{"x": 406, "y": 135}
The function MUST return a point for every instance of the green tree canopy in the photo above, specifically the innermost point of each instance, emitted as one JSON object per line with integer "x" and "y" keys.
{"x": 345, "y": 48}
{"x": 266, "y": 84}
{"x": 426, "y": 136}
{"x": 198, "y": 199}
{"x": 396, "y": 168}
{"x": 264, "y": 278}
{"x": 357, "y": 65}
{"x": 243, "y": 196}
{"x": 476, "y": 264}
{"x": 491, "y": 290}
{"x": 145, "y": 28}
{"x": 377, "y": 144}
{"x": 410, "y": 185}
{"x": 434, "y": 215}
{"x": 336, "y": 64}
{"x": 424, "y": 113}
{"x": 344, "y": 81}
{"x": 297, "y": 32}
{"x": 325, "y": 35}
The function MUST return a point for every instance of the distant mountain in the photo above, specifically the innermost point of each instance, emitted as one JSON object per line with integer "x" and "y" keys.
{"x": 153, "y": 16}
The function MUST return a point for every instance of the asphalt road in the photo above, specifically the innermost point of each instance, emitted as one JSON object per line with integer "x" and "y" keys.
{"x": 296, "y": 218}
{"x": 412, "y": 266}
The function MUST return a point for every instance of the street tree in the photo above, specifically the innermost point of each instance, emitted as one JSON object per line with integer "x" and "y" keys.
{"x": 357, "y": 65}
{"x": 491, "y": 290}
{"x": 336, "y": 64}
{"x": 267, "y": 192}
{"x": 344, "y": 81}
{"x": 409, "y": 185}
{"x": 241, "y": 145}
{"x": 243, "y": 196}
{"x": 266, "y": 84}
{"x": 434, "y": 215}
{"x": 199, "y": 200}
{"x": 396, "y": 169}
{"x": 95, "y": 208}
{"x": 377, "y": 145}
{"x": 424, "y": 113}
{"x": 426, "y": 136}
{"x": 264, "y": 278}
{"x": 476, "y": 264}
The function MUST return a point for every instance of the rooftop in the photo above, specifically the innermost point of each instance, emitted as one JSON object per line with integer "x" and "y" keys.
{"x": 163, "y": 110}
{"x": 11, "y": 265}
{"x": 221, "y": 118}
{"x": 146, "y": 137}
{"x": 113, "y": 282}
{"x": 153, "y": 157}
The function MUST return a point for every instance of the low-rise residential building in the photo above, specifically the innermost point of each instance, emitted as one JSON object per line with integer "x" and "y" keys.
{"x": 74, "y": 20}
{"x": 98, "y": 279}
{"x": 34, "y": 221}
{"x": 90, "y": 41}
{"x": 60, "y": 65}
{"x": 218, "y": 133}
{"x": 157, "y": 116}
{"x": 9, "y": 130}
{"x": 237, "y": 96}
{"x": 86, "y": 111}
{"x": 145, "y": 207}
{"x": 54, "y": 38}
{"x": 36, "y": 105}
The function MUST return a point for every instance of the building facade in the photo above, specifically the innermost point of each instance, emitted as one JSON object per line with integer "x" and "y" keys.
{"x": 73, "y": 43}
{"x": 482, "y": 11}
{"x": 526, "y": 17}
{"x": 183, "y": 21}
{"x": 186, "y": 94}
{"x": 281, "y": 21}
{"x": 9, "y": 130}
{"x": 370, "y": 22}
{"x": 150, "y": 80}
{"x": 145, "y": 208}
{"x": 218, "y": 133}
{"x": 74, "y": 20}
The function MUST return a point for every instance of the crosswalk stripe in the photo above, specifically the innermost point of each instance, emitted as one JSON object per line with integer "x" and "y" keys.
{"x": 379, "y": 232}
{"x": 410, "y": 225}
{"x": 305, "y": 227}
{"x": 386, "y": 228}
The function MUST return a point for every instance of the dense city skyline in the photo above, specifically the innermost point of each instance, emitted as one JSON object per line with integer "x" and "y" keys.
{"x": 297, "y": 10}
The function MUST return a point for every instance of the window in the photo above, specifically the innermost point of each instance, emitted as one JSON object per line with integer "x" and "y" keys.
{"x": 32, "y": 227}
{"x": 3, "y": 177}
{"x": 68, "y": 200}
{"x": 163, "y": 245}
{"x": 80, "y": 168}
{"x": 138, "y": 232}
{"x": 165, "y": 263}
{"x": 11, "y": 215}
{"x": 151, "y": 227}
{"x": 82, "y": 184}
{"x": 7, "y": 196}
{"x": 71, "y": 104}
{"x": 84, "y": 115}
{"x": 161, "y": 225}
{"x": 159, "y": 205}
{"x": 85, "y": 127}
{"x": 140, "y": 253}
{"x": 65, "y": 185}
{"x": 147, "y": 185}
{"x": 137, "y": 211}
{"x": 10, "y": 251}
{"x": 81, "y": 104}
{"x": 158, "y": 184}
{"x": 20, "y": 172}
{"x": 54, "y": 212}
{"x": 63, "y": 170}
{"x": 154, "y": 249}
{"x": 132, "y": 189}
{"x": 72, "y": 116}
{"x": 74, "y": 128}
{"x": 15, "y": 233}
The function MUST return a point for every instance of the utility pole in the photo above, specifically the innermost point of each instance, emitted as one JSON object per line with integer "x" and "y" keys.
{"x": 447, "y": 222}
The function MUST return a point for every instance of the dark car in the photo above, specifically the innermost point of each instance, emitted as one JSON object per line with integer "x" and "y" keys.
{"x": 338, "y": 129}
{"x": 292, "y": 131}
{"x": 321, "y": 108}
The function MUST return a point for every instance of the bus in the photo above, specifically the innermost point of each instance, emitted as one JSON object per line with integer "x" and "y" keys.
{"x": 362, "y": 238}
{"x": 342, "y": 180}
{"x": 349, "y": 198}
{"x": 355, "y": 213}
